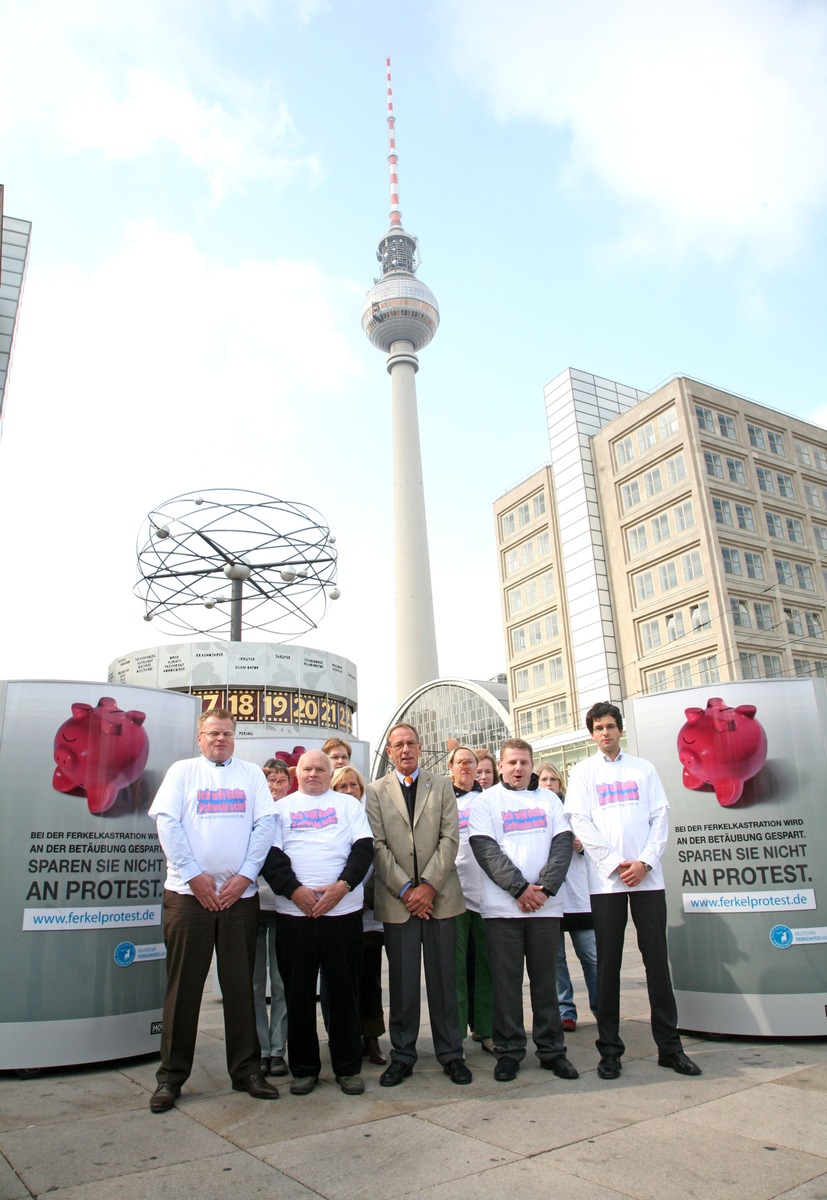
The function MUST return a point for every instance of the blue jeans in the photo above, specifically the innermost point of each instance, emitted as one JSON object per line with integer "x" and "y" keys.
{"x": 586, "y": 950}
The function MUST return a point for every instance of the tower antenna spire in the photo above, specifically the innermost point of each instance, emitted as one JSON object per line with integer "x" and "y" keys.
{"x": 393, "y": 158}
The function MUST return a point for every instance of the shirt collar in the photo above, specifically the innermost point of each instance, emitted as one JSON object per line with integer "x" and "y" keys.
{"x": 402, "y": 778}
{"x": 606, "y": 758}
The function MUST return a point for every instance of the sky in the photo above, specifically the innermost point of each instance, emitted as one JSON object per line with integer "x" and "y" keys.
{"x": 635, "y": 188}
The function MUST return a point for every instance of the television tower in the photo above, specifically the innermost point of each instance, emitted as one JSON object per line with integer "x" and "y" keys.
{"x": 400, "y": 316}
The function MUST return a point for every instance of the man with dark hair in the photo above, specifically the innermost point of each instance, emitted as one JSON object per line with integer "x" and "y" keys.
{"x": 415, "y": 825}
{"x": 618, "y": 810}
{"x": 216, "y": 821}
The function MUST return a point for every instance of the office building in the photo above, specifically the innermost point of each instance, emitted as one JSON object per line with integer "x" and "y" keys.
{"x": 14, "y": 247}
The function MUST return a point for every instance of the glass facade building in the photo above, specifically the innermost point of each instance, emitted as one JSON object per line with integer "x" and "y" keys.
{"x": 14, "y": 248}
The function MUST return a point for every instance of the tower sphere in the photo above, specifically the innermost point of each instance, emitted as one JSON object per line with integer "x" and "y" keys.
{"x": 400, "y": 308}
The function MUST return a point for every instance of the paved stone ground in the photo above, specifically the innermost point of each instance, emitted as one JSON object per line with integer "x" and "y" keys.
{"x": 753, "y": 1127}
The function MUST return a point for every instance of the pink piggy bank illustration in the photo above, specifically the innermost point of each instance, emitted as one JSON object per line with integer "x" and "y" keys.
{"x": 720, "y": 747}
{"x": 99, "y": 751}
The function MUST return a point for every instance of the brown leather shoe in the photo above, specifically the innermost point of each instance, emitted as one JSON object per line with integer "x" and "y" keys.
{"x": 257, "y": 1087}
{"x": 164, "y": 1097}
{"x": 371, "y": 1051}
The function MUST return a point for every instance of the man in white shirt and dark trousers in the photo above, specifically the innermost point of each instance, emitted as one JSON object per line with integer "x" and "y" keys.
{"x": 215, "y": 821}
{"x": 619, "y": 811}
{"x": 521, "y": 838}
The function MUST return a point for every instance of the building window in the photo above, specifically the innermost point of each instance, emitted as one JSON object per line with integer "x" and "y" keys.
{"x": 515, "y": 600}
{"x": 543, "y": 720}
{"x": 708, "y": 670}
{"x": 802, "y": 453}
{"x": 523, "y": 515}
{"x": 726, "y": 425}
{"x": 667, "y": 576}
{"x": 749, "y": 666}
{"x": 518, "y": 639}
{"x": 812, "y": 494}
{"x": 539, "y": 504}
{"x": 652, "y": 482}
{"x": 547, "y": 583}
{"x": 763, "y": 615}
{"x": 775, "y": 527}
{"x": 714, "y": 464}
{"x": 682, "y": 675}
{"x": 735, "y": 470}
{"x": 820, "y": 458}
{"x": 531, "y": 592}
{"x": 675, "y": 626}
{"x": 512, "y": 561}
{"x": 521, "y": 680}
{"x": 675, "y": 469}
{"x": 820, "y": 532}
{"x": 684, "y": 516}
{"x": 526, "y": 723}
{"x": 692, "y": 565}
{"x": 802, "y": 667}
{"x": 740, "y": 614}
{"x": 754, "y": 564}
{"x": 555, "y": 669}
{"x": 804, "y": 577}
{"x": 756, "y": 437}
{"x": 646, "y": 437}
{"x": 631, "y": 494}
{"x": 527, "y": 550}
{"x": 656, "y": 682}
{"x": 559, "y": 714}
{"x": 535, "y": 633}
{"x": 667, "y": 423}
{"x": 660, "y": 528}
{"x": 644, "y": 586}
{"x": 699, "y": 616}
{"x": 765, "y": 480}
{"x": 776, "y": 442}
{"x": 638, "y": 540}
{"x": 814, "y": 627}
{"x": 624, "y": 451}
{"x": 723, "y": 511}
{"x": 552, "y": 626}
{"x": 795, "y": 531}
{"x": 772, "y": 663}
{"x": 784, "y": 572}
{"x": 650, "y": 635}
{"x": 507, "y": 524}
{"x": 785, "y": 485}
{"x": 704, "y": 415}
{"x": 743, "y": 514}
{"x": 543, "y": 545}
{"x": 538, "y": 675}
{"x": 732, "y": 561}
{"x": 795, "y": 625}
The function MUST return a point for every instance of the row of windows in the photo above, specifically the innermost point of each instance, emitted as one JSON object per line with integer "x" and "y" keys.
{"x": 521, "y": 515}
{"x": 811, "y": 456}
{"x": 729, "y": 513}
{"x": 539, "y": 675}
{"x": 769, "y": 668}
{"x": 815, "y": 496}
{"x": 711, "y": 421}
{"x": 643, "y": 438}
{"x": 776, "y": 526}
{"x": 684, "y": 675}
{"x": 524, "y": 554}
{"x": 750, "y": 565}
{"x": 660, "y": 528}
{"x": 525, "y": 637}
{"x": 543, "y": 719}
{"x": 676, "y": 625}
{"x": 691, "y": 568}
{"x": 526, "y": 595}
{"x": 759, "y": 614}
{"x": 807, "y": 666}
{"x": 652, "y": 481}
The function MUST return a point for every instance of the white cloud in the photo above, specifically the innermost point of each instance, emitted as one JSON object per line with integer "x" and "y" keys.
{"x": 706, "y": 119}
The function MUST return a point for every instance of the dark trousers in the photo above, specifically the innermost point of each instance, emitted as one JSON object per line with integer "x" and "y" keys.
{"x": 304, "y": 946}
{"x": 370, "y": 987}
{"x": 512, "y": 942}
{"x": 610, "y": 912}
{"x": 191, "y": 934}
{"x": 406, "y": 945}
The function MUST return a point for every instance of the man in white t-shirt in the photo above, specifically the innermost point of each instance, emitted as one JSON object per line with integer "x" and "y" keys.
{"x": 521, "y": 838}
{"x": 215, "y": 821}
{"x": 618, "y": 810}
{"x": 322, "y": 850}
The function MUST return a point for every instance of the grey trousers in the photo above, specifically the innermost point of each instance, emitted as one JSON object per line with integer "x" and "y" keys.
{"x": 406, "y": 945}
{"x": 512, "y": 942}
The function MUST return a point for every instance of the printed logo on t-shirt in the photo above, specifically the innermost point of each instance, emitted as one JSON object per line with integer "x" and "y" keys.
{"x": 522, "y": 819}
{"x": 212, "y": 801}
{"x": 464, "y": 816}
{"x": 619, "y": 791}
{"x": 314, "y": 818}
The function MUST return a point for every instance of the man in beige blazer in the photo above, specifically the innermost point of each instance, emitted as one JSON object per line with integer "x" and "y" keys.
{"x": 413, "y": 815}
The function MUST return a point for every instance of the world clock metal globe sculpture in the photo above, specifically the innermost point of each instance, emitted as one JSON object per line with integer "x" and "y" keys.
{"x": 220, "y": 561}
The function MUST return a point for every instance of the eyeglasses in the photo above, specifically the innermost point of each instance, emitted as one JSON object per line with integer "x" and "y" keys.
{"x": 217, "y": 733}
{"x": 404, "y": 745}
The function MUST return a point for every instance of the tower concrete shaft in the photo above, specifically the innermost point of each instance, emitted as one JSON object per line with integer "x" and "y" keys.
{"x": 400, "y": 316}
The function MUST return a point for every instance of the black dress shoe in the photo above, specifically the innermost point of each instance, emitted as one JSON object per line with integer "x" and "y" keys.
{"x": 561, "y": 1067}
{"x": 506, "y": 1069}
{"x": 278, "y": 1066}
{"x": 257, "y": 1087}
{"x": 458, "y": 1071}
{"x": 680, "y": 1063}
{"x": 164, "y": 1097}
{"x": 609, "y": 1067}
{"x": 395, "y": 1073}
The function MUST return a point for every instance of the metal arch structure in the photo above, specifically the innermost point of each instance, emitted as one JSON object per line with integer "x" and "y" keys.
{"x": 223, "y": 560}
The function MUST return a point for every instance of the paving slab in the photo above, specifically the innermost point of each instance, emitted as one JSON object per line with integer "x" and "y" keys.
{"x": 775, "y": 1114}
{"x": 381, "y": 1158}
{"x": 11, "y": 1185}
{"x": 670, "y": 1159}
{"x": 66, "y": 1094}
{"x": 528, "y": 1177}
